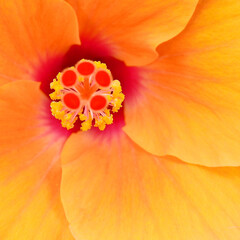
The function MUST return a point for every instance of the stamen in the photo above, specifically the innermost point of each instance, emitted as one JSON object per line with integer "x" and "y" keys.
{"x": 86, "y": 92}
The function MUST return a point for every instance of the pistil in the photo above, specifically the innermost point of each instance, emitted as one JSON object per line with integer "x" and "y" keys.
{"x": 86, "y": 92}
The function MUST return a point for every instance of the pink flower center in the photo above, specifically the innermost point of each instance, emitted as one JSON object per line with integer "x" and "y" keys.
{"x": 87, "y": 92}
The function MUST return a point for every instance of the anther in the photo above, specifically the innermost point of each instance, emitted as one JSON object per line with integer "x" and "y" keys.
{"x": 86, "y": 92}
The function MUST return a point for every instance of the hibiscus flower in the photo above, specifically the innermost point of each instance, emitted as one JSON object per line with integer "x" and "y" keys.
{"x": 167, "y": 167}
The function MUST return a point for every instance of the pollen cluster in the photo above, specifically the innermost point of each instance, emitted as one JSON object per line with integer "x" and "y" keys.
{"x": 86, "y": 92}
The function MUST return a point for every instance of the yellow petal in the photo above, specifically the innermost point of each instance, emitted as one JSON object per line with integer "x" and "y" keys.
{"x": 132, "y": 29}
{"x": 33, "y": 32}
{"x": 30, "y": 171}
{"x": 190, "y": 105}
{"x": 114, "y": 190}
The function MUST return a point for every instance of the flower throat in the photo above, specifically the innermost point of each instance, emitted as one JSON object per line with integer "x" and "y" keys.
{"x": 86, "y": 92}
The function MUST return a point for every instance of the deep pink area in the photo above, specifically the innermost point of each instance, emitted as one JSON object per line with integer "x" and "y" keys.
{"x": 97, "y": 51}
{"x": 113, "y": 129}
{"x": 47, "y": 71}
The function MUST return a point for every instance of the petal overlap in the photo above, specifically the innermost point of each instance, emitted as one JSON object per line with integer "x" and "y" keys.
{"x": 30, "y": 167}
{"x": 191, "y": 96}
{"x": 123, "y": 192}
{"x": 33, "y": 32}
{"x": 132, "y": 29}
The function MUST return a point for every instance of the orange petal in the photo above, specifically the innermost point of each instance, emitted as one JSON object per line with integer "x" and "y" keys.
{"x": 132, "y": 28}
{"x": 191, "y": 103}
{"x": 30, "y": 171}
{"x": 31, "y": 32}
{"x": 115, "y": 190}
